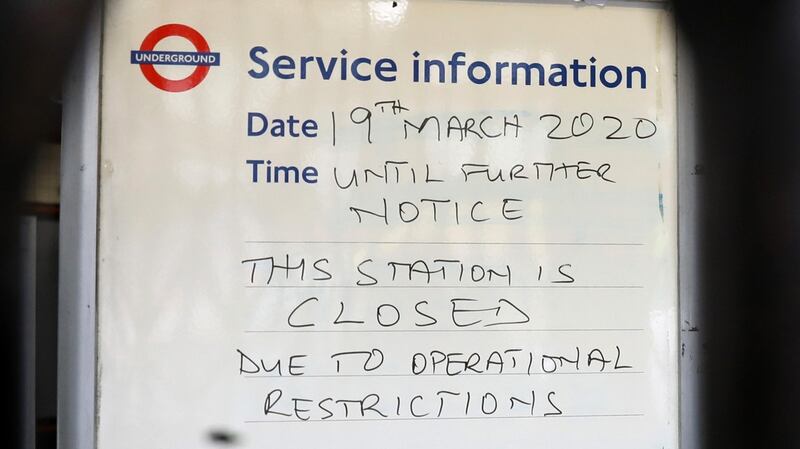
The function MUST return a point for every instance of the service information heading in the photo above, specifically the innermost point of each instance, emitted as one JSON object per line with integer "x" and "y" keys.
{"x": 342, "y": 67}
{"x": 375, "y": 224}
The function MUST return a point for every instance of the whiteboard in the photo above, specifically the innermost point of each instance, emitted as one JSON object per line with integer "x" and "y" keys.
{"x": 467, "y": 238}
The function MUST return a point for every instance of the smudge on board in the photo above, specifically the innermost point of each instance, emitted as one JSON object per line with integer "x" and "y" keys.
{"x": 660, "y": 195}
{"x": 223, "y": 437}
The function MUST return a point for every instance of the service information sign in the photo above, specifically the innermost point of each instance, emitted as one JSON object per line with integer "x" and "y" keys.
{"x": 375, "y": 224}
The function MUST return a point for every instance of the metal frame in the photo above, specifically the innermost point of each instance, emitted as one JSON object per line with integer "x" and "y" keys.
{"x": 689, "y": 273}
{"x": 77, "y": 339}
{"x": 77, "y": 358}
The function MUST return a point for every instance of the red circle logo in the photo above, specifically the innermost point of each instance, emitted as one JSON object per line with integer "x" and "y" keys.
{"x": 157, "y": 35}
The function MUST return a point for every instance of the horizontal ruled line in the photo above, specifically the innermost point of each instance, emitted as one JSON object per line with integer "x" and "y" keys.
{"x": 399, "y": 242}
{"x": 443, "y": 418}
{"x": 421, "y": 331}
{"x": 334, "y": 376}
{"x": 523, "y": 287}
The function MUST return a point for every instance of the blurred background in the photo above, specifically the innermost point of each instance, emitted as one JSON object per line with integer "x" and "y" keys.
{"x": 746, "y": 62}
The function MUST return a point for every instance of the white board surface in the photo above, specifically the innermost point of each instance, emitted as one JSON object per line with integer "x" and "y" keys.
{"x": 518, "y": 290}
